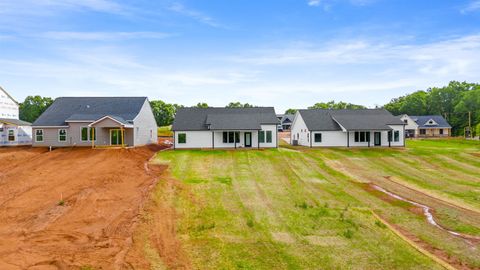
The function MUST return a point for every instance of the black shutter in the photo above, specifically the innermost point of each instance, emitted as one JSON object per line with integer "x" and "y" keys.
{"x": 225, "y": 137}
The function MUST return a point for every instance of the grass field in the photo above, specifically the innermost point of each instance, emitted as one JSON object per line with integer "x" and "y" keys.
{"x": 311, "y": 208}
{"x": 165, "y": 131}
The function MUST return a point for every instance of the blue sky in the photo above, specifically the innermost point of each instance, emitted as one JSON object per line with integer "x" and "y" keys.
{"x": 282, "y": 53}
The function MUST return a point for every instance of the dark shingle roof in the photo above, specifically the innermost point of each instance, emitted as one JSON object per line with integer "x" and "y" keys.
{"x": 75, "y": 108}
{"x": 287, "y": 118}
{"x": 423, "y": 119}
{"x": 15, "y": 122}
{"x": 362, "y": 119}
{"x": 223, "y": 118}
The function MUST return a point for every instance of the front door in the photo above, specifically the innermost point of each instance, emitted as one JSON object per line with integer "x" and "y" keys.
{"x": 377, "y": 138}
{"x": 248, "y": 139}
{"x": 116, "y": 137}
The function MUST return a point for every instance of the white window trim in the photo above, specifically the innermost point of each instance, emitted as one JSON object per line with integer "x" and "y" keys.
{"x": 89, "y": 132}
{"x": 14, "y": 135}
{"x": 66, "y": 135}
{"x": 81, "y": 135}
{"x": 43, "y": 134}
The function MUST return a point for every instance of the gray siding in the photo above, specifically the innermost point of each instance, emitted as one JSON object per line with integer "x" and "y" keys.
{"x": 145, "y": 126}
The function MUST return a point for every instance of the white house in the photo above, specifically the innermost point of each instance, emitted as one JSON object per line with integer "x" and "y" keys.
{"x": 225, "y": 128}
{"x": 347, "y": 128}
{"x": 426, "y": 126}
{"x": 13, "y": 132}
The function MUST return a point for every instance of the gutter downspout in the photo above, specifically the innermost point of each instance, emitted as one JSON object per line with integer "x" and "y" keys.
{"x": 174, "y": 139}
{"x": 235, "y": 138}
{"x": 213, "y": 140}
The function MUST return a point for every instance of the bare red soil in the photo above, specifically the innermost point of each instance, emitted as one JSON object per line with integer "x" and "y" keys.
{"x": 72, "y": 208}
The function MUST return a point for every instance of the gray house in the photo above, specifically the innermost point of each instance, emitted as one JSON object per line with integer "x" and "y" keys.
{"x": 225, "y": 128}
{"x": 96, "y": 121}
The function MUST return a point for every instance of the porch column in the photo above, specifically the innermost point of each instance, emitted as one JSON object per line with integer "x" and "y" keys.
{"x": 174, "y": 139}
{"x": 369, "y": 137}
{"x": 213, "y": 140}
{"x": 311, "y": 139}
{"x": 348, "y": 138}
{"x": 121, "y": 134}
{"x": 258, "y": 139}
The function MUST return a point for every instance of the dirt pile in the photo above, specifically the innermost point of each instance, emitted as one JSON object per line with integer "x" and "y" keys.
{"x": 71, "y": 208}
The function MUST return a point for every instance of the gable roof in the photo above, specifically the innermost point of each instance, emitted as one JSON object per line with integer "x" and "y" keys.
{"x": 8, "y": 95}
{"x": 422, "y": 121}
{"x": 361, "y": 119}
{"x": 286, "y": 118}
{"x": 89, "y": 109}
{"x": 223, "y": 118}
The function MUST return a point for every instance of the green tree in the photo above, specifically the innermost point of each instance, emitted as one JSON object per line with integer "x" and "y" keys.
{"x": 334, "y": 105}
{"x": 164, "y": 113}
{"x": 239, "y": 105}
{"x": 202, "y": 105}
{"x": 33, "y": 106}
{"x": 291, "y": 111}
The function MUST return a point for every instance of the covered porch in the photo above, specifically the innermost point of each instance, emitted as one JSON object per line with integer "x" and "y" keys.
{"x": 370, "y": 138}
{"x": 111, "y": 132}
{"x": 236, "y": 138}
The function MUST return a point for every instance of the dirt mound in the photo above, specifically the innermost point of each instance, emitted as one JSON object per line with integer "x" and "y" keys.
{"x": 71, "y": 208}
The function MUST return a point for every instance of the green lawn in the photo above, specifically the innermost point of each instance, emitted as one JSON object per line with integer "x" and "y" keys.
{"x": 289, "y": 209}
{"x": 165, "y": 131}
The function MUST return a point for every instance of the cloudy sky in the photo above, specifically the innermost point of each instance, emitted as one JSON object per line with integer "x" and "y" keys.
{"x": 282, "y": 53}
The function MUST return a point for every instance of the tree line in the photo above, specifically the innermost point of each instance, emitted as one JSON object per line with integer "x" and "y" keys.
{"x": 454, "y": 101}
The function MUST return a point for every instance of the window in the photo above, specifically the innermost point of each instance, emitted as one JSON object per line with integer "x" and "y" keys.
{"x": 423, "y": 131}
{"x": 396, "y": 136}
{"x": 182, "y": 138}
{"x": 39, "y": 135}
{"x": 261, "y": 137}
{"x": 441, "y": 131}
{"x": 225, "y": 137}
{"x": 362, "y": 136}
{"x": 231, "y": 137}
{"x": 318, "y": 137}
{"x": 84, "y": 134}
{"x": 269, "y": 136}
{"x": 11, "y": 135}
{"x": 62, "y": 135}
{"x": 405, "y": 121}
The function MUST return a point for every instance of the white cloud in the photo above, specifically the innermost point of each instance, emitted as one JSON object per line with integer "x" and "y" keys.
{"x": 102, "y": 36}
{"x": 314, "y": 3}
{"x": 196, "y": 15}
{"x": 471, "y": 7}
{"x": 47, "y": 6}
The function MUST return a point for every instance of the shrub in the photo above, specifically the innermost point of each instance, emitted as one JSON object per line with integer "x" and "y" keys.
{"x": 250, "y": 223}
{"x": 61, "y": 203}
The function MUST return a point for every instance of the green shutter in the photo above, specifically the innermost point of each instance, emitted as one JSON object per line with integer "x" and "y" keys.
{"x": 237, "y": 137}
{"x": 261, "y": 136}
